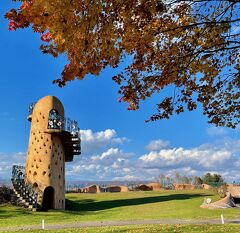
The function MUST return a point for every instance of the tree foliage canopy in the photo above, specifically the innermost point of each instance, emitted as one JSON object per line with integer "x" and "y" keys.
{"x": 185, "y": 51}
{"x": 212, "y": 178}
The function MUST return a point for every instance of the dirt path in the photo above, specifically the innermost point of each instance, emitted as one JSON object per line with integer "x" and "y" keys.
{"x": 120, "y": 223}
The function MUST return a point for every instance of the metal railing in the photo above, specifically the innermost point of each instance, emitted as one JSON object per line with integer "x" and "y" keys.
{"x": 26, "y": 191}
{"x": 63, "y": 123}
{"x": 60, "y": 122}
{"x": 18, "y": 172}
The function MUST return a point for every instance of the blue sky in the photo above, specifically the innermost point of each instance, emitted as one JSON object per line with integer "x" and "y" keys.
{"x": 117, "y": 143}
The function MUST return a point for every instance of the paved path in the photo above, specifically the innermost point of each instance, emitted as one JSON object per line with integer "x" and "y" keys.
{"x": 121, "y": 223}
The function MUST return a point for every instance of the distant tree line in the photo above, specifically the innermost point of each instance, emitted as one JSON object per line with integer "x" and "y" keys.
{"x": 208, "y": 178}
{"x": 212, "y": 178}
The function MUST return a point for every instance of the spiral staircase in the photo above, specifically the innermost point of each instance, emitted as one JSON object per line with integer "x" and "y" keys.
{"x": 26, "y": 194}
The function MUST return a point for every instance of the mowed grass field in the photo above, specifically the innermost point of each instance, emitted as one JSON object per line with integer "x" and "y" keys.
{"x": 230, "y": 228}
{"x": 121, "y": 206}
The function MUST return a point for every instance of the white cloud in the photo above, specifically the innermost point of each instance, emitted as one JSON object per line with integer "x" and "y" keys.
{"x": 216, "y": 131}
{"x": 125, "y": 178}
{"x": 102, "y": 166}
{"x": 157, "y": 145}
{"x": 220, "y": 157}
{"x": 120, "y": 140}
{"x": 97, "y": 141}
{"x": 8, "y": 160}
{"x": 115, "y": 164}
{"x": 112, "y": 152}
{"x": 88, "y": 135}
{"x": 180, "y": 157}
{"x": 113, "y": 157}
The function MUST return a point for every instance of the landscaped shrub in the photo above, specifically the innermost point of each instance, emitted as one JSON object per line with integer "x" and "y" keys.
{"x": 5, "y": 194}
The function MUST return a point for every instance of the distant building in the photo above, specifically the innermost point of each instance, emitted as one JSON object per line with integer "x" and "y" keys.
{"x": 53, "y": 141}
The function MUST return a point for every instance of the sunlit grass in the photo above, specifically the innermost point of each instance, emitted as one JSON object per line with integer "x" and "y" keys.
{"x": 230, "y": 228}
{"x": 120, "y": 206}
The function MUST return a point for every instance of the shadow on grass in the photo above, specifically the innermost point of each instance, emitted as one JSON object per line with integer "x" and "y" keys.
{"x": 91, "y": 205}
{"x": 8, "y": 211}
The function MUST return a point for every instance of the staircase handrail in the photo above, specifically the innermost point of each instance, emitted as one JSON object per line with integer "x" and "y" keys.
{"x": 24, "y": 189}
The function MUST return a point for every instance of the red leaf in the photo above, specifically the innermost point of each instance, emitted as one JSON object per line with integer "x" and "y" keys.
{"x": 46, "y": 37}
{"x": 12, "y": 25}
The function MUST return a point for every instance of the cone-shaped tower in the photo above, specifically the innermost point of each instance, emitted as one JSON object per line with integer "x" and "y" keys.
{"x": 53, "y": 141}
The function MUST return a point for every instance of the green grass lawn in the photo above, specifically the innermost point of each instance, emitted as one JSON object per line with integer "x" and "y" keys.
{"x": 149, "y": 229}
{"x": 120, "y": 206}
{"x": 231, "y": 228}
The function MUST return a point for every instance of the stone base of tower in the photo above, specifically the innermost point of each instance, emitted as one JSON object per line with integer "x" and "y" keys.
{"x": 52, "y": 200}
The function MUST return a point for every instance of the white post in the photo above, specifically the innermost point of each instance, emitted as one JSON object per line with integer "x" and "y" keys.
{"x": 43, "y": 227}
{"x": 222, "y": 218}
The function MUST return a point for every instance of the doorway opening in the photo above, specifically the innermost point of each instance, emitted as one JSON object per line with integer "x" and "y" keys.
{"x": 237, "y": 200}
{"x": 48, "y": 198}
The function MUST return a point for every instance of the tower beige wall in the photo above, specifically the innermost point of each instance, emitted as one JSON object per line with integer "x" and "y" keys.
{"x": 45, "y": 165}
